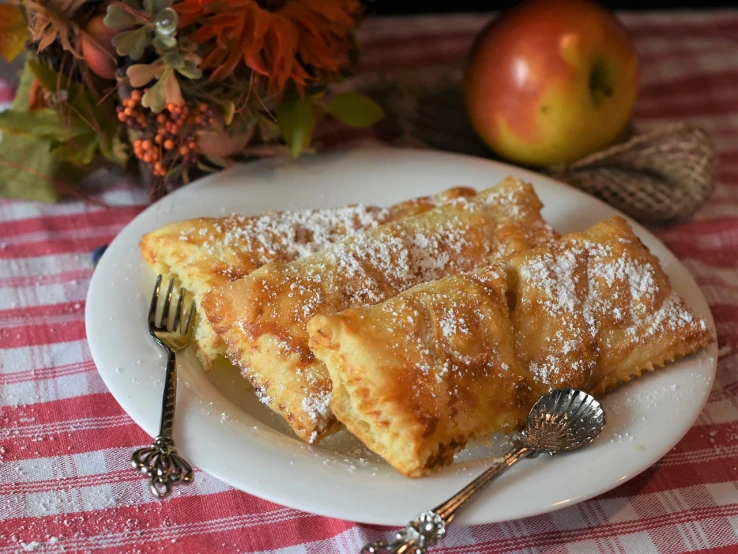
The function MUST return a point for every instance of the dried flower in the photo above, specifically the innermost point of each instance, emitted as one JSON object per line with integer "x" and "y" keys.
{"x": 51, "y": 19}
{"x": 301, "y": 40}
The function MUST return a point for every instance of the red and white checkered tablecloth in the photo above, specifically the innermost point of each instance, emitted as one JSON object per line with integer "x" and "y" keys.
{"x": 65, "y": 479}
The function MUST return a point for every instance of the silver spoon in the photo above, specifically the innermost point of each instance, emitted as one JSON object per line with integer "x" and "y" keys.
{"x": 561, "y": 420}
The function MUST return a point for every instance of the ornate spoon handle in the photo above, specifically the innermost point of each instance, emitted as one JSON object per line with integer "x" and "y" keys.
{"x": 430, "y": 527}
{"x": 160, "y": 462}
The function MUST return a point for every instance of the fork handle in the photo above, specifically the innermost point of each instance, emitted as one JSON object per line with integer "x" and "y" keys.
{"x": 169, "y": 399}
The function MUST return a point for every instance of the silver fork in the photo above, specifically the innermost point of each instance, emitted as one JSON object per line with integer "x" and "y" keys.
{"x": 160, "y": 461}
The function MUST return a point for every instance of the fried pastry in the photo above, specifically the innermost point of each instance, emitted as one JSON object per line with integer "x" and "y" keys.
{"x": 205, "y": 253}
{"x": 417, "y": 376}
{"x": 263, "y": 317}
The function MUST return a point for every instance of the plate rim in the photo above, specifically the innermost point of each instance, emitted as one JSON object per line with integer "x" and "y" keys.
{"x": 526, "y": 174}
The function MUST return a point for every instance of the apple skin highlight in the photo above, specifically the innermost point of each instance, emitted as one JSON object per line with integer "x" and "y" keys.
{"x": 551, "y": 81}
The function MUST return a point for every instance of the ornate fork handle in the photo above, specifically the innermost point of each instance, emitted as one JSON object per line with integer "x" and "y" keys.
{"x": 160, "y": 462}
{"x": 430, "y": 527}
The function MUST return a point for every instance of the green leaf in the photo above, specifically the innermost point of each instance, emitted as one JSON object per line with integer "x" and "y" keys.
{"x": 50, "y": 79}
{"x": 29, "y": 171}
{"x": 229, "y": 108}
{"x": 115, "y": 150}
{"x": 118, "y": 18}
{"x": 132, "y": 43}
{"x": 155, "y": 98}
{"x": 268, "y": 129}
{"x": 190, "y": 70}
{"x": 79, "y": 151}
{"x": 41, "y": 124}
{"x": 20, "y": 101}
{"x": 163, "y": 42}
{"x": 296, "y": 121}
{"x": 355, "y": 109}
{"x": 174, "y": 59}
{"x": 77, "y": 97}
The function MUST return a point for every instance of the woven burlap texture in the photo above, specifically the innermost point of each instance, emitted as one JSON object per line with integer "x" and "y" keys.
{"x": 656, "y": 176}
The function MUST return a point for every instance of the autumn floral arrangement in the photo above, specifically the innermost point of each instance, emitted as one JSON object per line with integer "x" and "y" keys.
{"x": 173, "y": 88}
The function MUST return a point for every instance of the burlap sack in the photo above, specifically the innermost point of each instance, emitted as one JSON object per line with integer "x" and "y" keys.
{"x": 655, "y": 176}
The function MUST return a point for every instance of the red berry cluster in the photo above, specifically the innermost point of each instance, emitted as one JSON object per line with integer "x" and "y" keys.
{"x": 167, "y": 138}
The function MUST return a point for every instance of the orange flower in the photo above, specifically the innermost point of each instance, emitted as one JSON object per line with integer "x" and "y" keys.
{"x": 279, "y": 39}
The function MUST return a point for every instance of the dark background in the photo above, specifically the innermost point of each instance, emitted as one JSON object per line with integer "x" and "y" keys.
{"x": 405, "y": 7}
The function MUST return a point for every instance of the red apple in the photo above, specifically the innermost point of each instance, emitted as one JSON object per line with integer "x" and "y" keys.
{"x": 551, "y": 81}
{"x": 97, "y": 48}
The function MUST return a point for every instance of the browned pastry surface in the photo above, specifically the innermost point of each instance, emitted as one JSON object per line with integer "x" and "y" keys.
{"x": 418, "y": 375}
{"x": 204, "y": 253}
{"x": 263, "y": 317}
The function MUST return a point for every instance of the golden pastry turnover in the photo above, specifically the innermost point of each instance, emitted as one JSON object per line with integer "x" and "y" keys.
{"x": 263, "y": 317}
{"x": 204, "y": 253}
{"x": 417, "y": 376}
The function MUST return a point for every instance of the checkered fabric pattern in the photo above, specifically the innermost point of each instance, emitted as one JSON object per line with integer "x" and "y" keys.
{"x": 65, "y": 480}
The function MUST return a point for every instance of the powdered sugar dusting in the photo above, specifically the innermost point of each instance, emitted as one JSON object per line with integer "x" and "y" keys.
{"x": 452, "y": 323}
{"x": 295, "y": 234}
{"x": 262, "y": 395}
{"x": 622, "y": 291}
{"x": 317, "y": 406}
{"x": 375, "y": 262}
{"x": 277, "y": 236}
{"x": 582, "y": 294}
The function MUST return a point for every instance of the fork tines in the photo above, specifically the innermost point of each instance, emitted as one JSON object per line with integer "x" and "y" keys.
{"x": 180, "y": 324}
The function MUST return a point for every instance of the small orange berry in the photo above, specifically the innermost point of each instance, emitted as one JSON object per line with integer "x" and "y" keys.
{"x": 121, "y": 117}
{"x": 174, "y": 129}
{"x": 203, "y": 106}
{"x": 146, "y": 144}
{"x": 192, "y": 145}
{"x": 136, "y": 95}
{"x": 147, "y": 158}
{"x": 184, "y": 150}
{"x": 161, "y": 118}
{"x": 128, "y": 112}
{"x": 158, "y": 139}
{"x": 169, "y": 144}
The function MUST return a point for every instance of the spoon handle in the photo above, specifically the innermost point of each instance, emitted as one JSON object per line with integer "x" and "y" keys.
{"x": 429, "y": 527}
{"x": 447, "y": 511}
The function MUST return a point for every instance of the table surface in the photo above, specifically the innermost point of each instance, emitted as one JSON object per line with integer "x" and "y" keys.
{"x": 65, "y": 479}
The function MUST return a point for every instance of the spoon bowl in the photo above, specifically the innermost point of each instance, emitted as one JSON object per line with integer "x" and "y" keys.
{"x": 563, "y": 420}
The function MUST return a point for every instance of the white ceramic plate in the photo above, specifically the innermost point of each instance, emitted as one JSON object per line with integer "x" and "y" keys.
{"x": 221, "y": 428}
